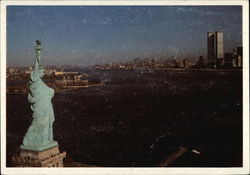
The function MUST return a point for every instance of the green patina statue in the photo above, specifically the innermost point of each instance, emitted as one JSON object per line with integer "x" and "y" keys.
{"x": 40, "y": 133}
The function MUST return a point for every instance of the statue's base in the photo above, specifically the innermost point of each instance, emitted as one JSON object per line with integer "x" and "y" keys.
{"x": 39, "y": 147}
{"x": 47, "y": 158}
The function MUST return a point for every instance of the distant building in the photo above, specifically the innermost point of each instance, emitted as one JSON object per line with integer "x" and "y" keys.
{"x": 200, "y": 63}
{"x": 64, "y": 73}
{"x": 240, "y": 51}
{"x": 229, "y": 60}
{"x": 215, "y": 49}
{"x": 11, "y": 70}
{"x": 182, "y": 63}
{"x": 28, "y": 71}
{"x": 234, "y": 59}
{"x": 239, "y": 56}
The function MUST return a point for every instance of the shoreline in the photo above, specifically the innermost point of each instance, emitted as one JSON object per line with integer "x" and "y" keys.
{"x": 183, "y": 69}
{"x": 68, "y": 88}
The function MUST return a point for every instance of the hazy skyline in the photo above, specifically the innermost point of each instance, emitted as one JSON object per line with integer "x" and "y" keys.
{"x": 87, "y": 35}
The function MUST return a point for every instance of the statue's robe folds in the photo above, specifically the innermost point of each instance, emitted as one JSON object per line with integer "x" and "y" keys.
{"x": 40, "y": 131}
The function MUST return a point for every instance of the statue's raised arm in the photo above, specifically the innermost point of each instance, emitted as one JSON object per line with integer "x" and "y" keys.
{"x": 38, "y": 54}
{"x": 37, "y": 72}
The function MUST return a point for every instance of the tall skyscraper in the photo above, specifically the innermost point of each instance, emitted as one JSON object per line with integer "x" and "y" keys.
{"x": 215, "y": 49}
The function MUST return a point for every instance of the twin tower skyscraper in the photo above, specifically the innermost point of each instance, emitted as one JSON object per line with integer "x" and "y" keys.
{"x": 215, "y": 49}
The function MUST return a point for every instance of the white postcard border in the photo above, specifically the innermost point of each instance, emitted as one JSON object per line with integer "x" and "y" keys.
{"x": 243, "y": 170}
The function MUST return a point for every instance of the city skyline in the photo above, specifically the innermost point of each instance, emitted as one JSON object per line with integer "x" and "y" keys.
{"x": 88, "y": 35}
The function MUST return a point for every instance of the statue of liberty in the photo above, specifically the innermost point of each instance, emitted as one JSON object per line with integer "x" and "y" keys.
{"x": 39, "y": 135}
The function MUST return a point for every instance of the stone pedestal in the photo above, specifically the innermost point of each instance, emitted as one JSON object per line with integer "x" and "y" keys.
{"x": 47, "y": 158}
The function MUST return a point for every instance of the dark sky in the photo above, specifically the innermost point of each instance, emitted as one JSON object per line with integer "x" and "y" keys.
{"x": 87, "y": 35}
